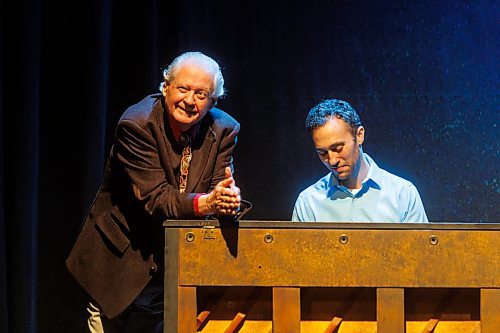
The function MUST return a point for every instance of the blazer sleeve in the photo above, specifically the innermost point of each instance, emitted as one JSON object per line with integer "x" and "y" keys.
{"x": 225, "y": 154}
{"x": 137, "y": 155}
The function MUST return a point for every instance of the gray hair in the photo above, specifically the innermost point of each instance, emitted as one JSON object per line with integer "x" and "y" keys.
{"x": 201, "y": 60}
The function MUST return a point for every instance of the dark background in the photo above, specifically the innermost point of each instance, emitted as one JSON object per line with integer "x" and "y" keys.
{"x": 422, "y": 75}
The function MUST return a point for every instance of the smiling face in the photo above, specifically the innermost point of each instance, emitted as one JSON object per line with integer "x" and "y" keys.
{"x": 188, "y": 96}
{"x": 340, "y": 150}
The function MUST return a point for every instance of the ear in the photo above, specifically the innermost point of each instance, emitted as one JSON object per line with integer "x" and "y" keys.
{"x": 164, "y": 87}
{"x": 360, "y": 135}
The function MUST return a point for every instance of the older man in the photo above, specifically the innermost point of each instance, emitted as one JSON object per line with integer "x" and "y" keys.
{"x": 355, "y": 189}
{"x": 171, "y": 159}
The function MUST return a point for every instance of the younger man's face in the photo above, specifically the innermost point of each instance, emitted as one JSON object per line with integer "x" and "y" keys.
{"x": 337, "y": 148}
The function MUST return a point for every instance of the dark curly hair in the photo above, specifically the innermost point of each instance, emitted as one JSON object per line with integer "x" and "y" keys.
{"x": 329, "y": 108}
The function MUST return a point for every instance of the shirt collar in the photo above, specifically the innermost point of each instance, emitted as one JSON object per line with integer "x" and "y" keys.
{"x": 373, "y": 177}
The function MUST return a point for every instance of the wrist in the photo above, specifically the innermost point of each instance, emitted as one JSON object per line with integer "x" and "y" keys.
{"x": 204, "y": 205}
{"x": 196, "y": 204}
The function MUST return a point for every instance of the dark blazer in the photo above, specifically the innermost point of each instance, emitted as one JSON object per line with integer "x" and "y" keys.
{"x": 121, "y": 244}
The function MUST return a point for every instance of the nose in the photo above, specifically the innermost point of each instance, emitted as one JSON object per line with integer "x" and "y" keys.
{"x": 333, "y": 158}
{"x": 189, "y": 99}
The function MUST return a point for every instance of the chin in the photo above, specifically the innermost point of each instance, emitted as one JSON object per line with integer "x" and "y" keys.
{"x": 183, "y": 120}
{"x": 343, "y": 177}
{"x": 189, "y": 121}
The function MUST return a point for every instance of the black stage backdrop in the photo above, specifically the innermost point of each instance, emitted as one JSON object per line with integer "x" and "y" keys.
{"x": 423, "y": 76}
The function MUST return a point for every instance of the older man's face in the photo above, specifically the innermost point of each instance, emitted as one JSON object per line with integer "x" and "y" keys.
{"x": 188, "y": 96}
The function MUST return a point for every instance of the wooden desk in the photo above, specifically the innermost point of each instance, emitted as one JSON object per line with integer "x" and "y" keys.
{"x": 276, "y": 276}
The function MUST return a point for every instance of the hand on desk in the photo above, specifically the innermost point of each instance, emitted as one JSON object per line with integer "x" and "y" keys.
{"x": 225, "y": 199}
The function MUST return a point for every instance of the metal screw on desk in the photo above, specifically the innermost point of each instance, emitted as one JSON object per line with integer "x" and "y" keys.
{"x": 268, "y": 238}
{"x": 190, "y": 236}
{"x": 433, "y": 240}
{"x": 343, "y": 239}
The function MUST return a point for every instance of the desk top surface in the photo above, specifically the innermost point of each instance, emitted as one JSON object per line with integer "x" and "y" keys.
{"x": 268, "y": 224}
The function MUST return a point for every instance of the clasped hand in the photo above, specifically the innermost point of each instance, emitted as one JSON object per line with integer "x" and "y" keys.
{"x": 225, "y": 198}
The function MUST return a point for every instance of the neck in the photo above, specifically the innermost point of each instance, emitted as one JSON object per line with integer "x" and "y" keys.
{"x": 178, "y": 129}
{"x": 358, "y": 174}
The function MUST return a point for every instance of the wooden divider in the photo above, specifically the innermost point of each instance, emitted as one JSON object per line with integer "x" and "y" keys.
{"x": 277, "y": 276}
{"x": 286, "y": 310}
{"x": 390, "y": 310}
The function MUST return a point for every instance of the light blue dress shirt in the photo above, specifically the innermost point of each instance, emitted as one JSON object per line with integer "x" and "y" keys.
{"x": 383, "y": 197}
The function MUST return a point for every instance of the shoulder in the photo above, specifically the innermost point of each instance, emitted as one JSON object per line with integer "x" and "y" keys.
{"x": 307, "y": 199}
{"x": 385, "y": 178}
{"x": 397, "y": 186}
{"x": 143, "y": 111}
{"x": 222, "y": 120}
{"x": 394, "y": 180}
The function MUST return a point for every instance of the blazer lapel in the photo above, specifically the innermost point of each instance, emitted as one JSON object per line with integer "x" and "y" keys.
{"x": 199, "y": 159}
{"x": 165, "y": 152}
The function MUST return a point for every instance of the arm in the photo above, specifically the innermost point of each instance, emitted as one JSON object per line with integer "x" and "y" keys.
{"x": 296, "y": 214}
{"x": 224, "y": 199}
{"x": 302, "y": 211}
{"x": 225, "y": 155}
{"x": 137, "y": 154}
{"x": 414, "y": 208}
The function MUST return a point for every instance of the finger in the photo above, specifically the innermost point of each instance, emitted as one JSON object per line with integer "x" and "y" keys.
{"x": 228, "y": 205}
{"x": 225, "y": 191}
{"x": 230, "y": 212}
{"x": 229, "y": 202}
{"x": 231, "y": 199}
{"x": 227, "y": 172}
{"x": 229, "y": 192}
{"x": 226, "y": 183}
{"x": 226, "y": 200}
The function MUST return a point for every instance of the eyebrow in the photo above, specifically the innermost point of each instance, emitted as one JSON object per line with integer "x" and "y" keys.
{"x": 333, "y": 145}
{"x": 180, "y": 84}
